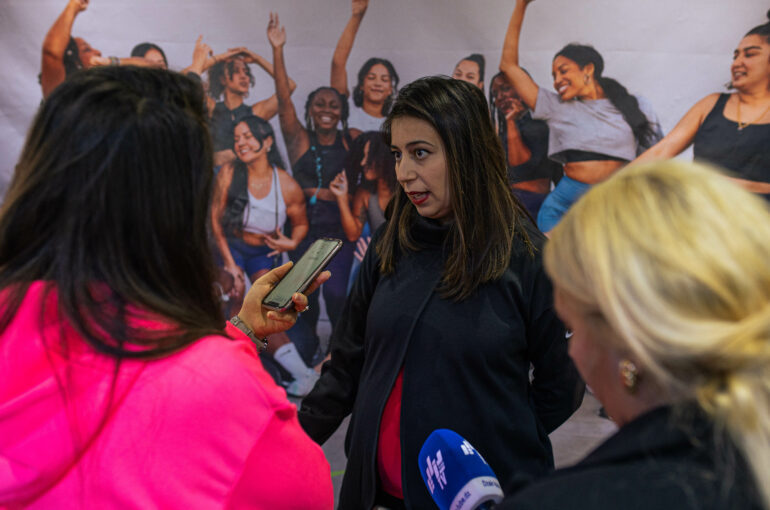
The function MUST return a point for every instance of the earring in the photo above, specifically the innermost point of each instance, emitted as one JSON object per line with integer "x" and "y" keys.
{"x": 586, "y": 79}
{"x": 629, "y": 373}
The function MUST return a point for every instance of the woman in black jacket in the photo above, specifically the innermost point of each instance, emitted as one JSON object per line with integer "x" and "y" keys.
{"x": 449, "y": 311}
{"x": 661, "y": 274}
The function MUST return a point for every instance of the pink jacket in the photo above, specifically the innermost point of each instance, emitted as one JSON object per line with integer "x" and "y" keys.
{"x": 203, "y": 428}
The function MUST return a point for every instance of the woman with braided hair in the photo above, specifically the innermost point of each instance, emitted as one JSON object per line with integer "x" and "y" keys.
{"x": 661, "y": 274}
{"x": 318, "y": 152}
{"x": 595, "y": 125}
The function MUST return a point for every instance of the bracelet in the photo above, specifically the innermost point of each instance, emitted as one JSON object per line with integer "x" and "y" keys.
{"x": 261, "y": 343}
{"x": 114, "y": 61}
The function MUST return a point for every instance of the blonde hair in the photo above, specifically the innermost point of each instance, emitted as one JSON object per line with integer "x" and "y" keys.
{"x": 676, "y": 258}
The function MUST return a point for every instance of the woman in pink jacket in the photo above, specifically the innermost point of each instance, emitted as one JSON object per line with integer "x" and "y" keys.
{"x": 122, "y": 386}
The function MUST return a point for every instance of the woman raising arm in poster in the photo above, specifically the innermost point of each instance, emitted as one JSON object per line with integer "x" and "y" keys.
{"x": 595, "y": 125}
{"x": 377, "y": 79}
{"x": 318, "y": 152}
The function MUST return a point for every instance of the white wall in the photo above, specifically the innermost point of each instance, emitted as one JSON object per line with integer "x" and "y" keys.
{"x": 671, "y": 51}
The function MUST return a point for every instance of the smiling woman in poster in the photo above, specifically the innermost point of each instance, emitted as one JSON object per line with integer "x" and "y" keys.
{"x": 377, "y": 79}
{"x": 732, "y": 130}
{"x": 596, "y": 126}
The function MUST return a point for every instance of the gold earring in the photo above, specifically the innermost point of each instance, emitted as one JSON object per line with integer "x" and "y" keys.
{"x": 629, "y": 373}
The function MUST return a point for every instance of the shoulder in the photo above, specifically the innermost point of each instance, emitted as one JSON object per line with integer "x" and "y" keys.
{"x": 707, "y": 103}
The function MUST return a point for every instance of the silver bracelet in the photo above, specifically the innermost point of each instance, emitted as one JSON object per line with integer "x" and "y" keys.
{"x": 261, "y": 343}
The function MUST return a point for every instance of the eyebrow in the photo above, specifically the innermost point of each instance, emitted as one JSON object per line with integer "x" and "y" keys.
{"x": 413, "y": 143}
{"x": 747, "y": 48}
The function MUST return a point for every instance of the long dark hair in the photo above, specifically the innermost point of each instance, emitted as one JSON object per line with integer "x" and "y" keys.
{"x": 217, "y": 74}
{"x": 358, "y": 93}
{"x": 343, "y": 113}
{"x": 628, "y": 105}
{"x": 486, "y": 216}
{"x": 379, "y": 157}
{"x": 109, "y": 205}
{"x": 141, "y": 49}
{"x": 261, "y": 129}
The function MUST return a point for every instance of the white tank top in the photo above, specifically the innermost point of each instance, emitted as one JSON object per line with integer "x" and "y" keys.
{"x": 264, "y": 215}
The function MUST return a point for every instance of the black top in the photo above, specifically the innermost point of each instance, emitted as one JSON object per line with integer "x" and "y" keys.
{"x": 746, "y": 152}
{"x": 223, "y": 122}
{"x": 332, "y": 159}
{"x": 658, "y": 460}
{"x": 534, "y": 134}
{"x": 465, "y": 367}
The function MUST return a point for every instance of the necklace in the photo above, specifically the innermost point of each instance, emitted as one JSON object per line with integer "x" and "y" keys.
{"x": 742, "y": 125}
{"x": 318, "y": 171}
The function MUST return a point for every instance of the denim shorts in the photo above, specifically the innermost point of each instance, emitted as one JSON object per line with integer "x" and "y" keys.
{"x": 249, "y": 257}
{"x": 558, "y": 202}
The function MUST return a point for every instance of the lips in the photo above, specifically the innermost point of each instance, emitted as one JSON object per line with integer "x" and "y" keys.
{"x": 562, "y": 89}
{"x": 418, "y": 197}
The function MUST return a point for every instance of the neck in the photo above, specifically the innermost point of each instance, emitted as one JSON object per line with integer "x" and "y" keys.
{"x": 233, "y": 99}
{"x": 754, "y": 95}
{"x": 259, "y": 168}
{"x": 373, "y": 109}
{"x": 326, "y": 136}
{"x": 593, "y": 91}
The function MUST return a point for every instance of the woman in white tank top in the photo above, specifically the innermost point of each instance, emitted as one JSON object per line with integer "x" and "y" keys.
{"x": 253, "y": 197}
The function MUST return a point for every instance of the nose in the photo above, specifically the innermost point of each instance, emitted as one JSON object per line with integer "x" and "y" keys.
{"x": 404, "y": 171}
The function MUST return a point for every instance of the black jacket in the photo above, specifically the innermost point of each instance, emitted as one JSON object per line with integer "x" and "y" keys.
{"x": 466, "y": 367}
{"x": 656, "y": 461}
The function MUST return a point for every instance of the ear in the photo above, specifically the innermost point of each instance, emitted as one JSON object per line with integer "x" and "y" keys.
{"x": 589, "y": 69}
{"x": 267, "y": 143}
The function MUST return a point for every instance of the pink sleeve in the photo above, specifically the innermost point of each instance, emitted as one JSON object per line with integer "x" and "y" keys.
{"x": 285, "y": 470}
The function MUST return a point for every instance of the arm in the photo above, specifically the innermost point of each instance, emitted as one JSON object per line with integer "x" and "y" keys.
{"x": 221, "y": 185}
{"x": 339, "y": 74}
{"x": 333, "y": 396}
{"x": 267, "y": 108}
{"x": 518, "y": 152}
{"x": 297, "y": 139}
{"x": 52, "y": 71}
{"x": 524, "y": 86}
{"x": 126, "y": 61}
{"x": 683, "y": 133}
{"x": 339, "y": 186}
{"x": 295, "y": 211}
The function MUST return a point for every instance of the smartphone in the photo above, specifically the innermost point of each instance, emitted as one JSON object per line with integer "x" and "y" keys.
{"x": 302, "y": 274}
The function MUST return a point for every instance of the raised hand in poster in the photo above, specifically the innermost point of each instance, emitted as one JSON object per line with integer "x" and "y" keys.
{"x": 276, "y": 34}
{"x": 359, "y": 7}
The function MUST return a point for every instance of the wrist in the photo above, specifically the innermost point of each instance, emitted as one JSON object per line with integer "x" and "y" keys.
{"x": 259, "y": 342}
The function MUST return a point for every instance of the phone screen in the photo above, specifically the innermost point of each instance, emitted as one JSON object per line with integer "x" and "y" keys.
{"x": 302, "y": 274}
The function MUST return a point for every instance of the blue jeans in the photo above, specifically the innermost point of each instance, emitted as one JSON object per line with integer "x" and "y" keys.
{"x": 558, "y": 202}
{"x": 249, "y": 257}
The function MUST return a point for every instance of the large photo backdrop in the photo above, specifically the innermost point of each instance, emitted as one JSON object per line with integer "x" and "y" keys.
{"x": 671, "y": 52}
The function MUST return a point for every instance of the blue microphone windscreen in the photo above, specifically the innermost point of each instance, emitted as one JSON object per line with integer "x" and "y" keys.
{"x": 456, "y": 475}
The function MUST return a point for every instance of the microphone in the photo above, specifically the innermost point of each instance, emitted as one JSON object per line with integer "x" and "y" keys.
{"x": 456, "y": 474}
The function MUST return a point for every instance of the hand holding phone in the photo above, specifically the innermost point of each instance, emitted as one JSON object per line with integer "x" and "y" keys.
{"x": 302, "y": 274}
{"x": 263, "y": 321}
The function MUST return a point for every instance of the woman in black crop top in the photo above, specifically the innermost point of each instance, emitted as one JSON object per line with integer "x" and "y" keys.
{"x": 732, "y": 130}
{"x": 525, "y": 140}
{"x": 318, "y": 152}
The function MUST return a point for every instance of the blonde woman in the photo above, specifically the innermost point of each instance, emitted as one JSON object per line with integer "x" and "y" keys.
{"x": 662, "y": 274}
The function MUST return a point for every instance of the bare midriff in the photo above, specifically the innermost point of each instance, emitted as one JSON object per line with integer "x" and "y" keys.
{"x": 753, "y": 186}
{"x": 534, "y": 185}
{"x": 592, "y": 172}
{"x": 254, "y": 239}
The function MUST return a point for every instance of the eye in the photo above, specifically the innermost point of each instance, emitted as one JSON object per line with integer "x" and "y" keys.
{"x": 421, "y": 153}
{"x": 396, "y": 155}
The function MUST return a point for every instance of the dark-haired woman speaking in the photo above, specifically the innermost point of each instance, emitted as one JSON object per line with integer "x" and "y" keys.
{"x": 450, "y": 309}
{"x": 595, "y": 125}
